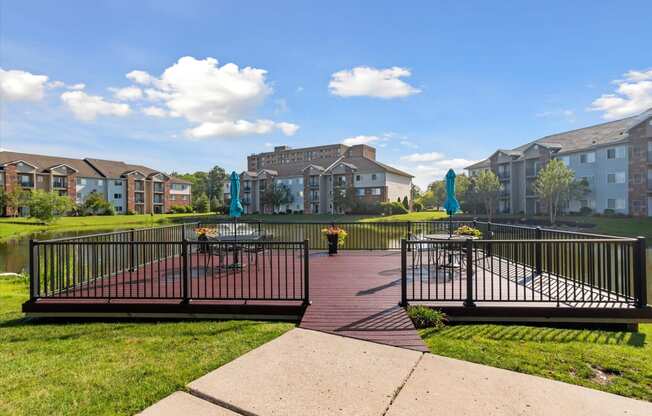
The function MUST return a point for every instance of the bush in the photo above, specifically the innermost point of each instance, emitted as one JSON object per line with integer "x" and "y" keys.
{"x": 417, "y": 206}
{"x": 48, "y": 206}
{"x": 469, "y": 231}
{"x": 95, "y": 204}
{"x": 609, "y": 212}
{"x": 424, "y": 317}
{"x": 178, "y": 209}
{"x": 393, "y": 208}
{"x": 586, "y": 211}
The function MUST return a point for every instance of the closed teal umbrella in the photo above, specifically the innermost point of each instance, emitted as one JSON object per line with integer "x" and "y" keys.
{"x": 235, "y": 210}
{"x": 451, "y": 205}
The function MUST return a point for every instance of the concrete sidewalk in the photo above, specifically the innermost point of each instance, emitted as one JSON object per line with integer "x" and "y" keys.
{"x": 306, "y": 372}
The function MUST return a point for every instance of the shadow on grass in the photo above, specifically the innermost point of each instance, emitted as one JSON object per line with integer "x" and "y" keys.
{"x": 82, "y": 328}
{"x": 539, "y": 334}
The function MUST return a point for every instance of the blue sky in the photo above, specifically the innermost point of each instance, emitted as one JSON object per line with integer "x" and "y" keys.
{"x": 433, "y": 85}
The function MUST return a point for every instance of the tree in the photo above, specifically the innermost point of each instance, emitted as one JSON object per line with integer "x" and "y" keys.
{"x": 552, "y": 186}
{"x": 276, "y": 195}
{"x": 487, "y": 187}
{"x": 95, "y": 204}
{"x": 215, "y": 204}
{"x": 344, "y": 200}
{"x": 15, "y": 199}
{"x": 577, "y": 190}
{"x": 215, "y": 182}
{"x": 48, "y": 206}
{"x": 406, "y": 203}
{"x": 438, "y": 189}
{"x": 201, "y": 203}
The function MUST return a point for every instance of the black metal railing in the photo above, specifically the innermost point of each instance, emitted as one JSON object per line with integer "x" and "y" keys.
{"x": 168, "y": 263}
{"x": 565, "y": 272}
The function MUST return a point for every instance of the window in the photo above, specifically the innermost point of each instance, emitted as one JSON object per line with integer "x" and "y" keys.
{"x": 615, "y": 203}
{"x": 25, "y": 180}
{"x": 357, "y": 178}
{"x": 565, "y": 160}
{"x": 373, "y": 176}
{"x": 618, "y": 177}
{"x": 117, "y": 183}
{"x": 375, "y": 191}
{"x": 587, "y": 157}
{"x": 39, "y": 179}
{"x": 611, "y": 153}
{"x": 173, "y": 197}
{"x": 117, "y": 196}
{"x": 100, "y": 182}
{"x": 81, "y": 181}
{"x": 118, "y": 208}
{"x": 359, "y": 191}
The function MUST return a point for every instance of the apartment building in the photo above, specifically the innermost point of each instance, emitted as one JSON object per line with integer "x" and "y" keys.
{"x": 130, "y": 188}
{"x": 313, "y": 175}
{"x": 614, "y": 158}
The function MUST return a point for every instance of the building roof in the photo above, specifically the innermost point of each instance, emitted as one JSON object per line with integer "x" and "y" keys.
{"x": 176, "y": 179}
{"x": 612, "y": 132}
{"x": 360, "y": 164}
{"x": 115, "y": 168}
{"x": 43, "y": 163}
{"x": 483, "y": 164}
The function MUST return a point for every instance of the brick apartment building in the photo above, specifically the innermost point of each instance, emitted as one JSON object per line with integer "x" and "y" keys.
{"x": 614, "y": 158}
{"x": 313, "y": 175}
{"x": 130, "y": 188}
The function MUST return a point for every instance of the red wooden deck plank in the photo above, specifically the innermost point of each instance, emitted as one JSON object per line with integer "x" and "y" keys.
{"x": 356, "y": 294}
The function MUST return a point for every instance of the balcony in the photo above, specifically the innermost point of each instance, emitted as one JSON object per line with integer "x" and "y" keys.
{"x": 504, "y": 176}
{"x": 60, "y": 183}
{"x": 532, "y": 171}
{"x": 246, "y": 189}
{"x": 158, "y": 187}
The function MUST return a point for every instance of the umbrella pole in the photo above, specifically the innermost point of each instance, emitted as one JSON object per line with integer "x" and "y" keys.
{"x": 450, "y": 225}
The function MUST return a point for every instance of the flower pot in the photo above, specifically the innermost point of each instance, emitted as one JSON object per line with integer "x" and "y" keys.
{"x": 333, "y": 240}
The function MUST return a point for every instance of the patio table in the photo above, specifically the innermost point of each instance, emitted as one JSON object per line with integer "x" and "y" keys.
{"x": 456, "y": 259}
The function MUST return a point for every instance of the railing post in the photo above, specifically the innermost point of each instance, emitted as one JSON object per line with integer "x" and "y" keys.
{"x": 640, "y": 272}
{"x": 32, "y": 272}
{"x": 184, "y": 255}
{"x": 537, "y": 251}
{"x": 132, "y": 251}
{"x": 306, "y": 272}
{"x": 490, "y": 236}
{"x": 409, "y": 232}
{"x": 403, "y": 301}
{"x": 469, "y": 273}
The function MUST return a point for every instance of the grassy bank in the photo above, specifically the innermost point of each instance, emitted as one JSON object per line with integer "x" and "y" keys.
{"x": 616, "y": 362}
{"x": 53, "y": 368}
{"x": 17, "y": 227}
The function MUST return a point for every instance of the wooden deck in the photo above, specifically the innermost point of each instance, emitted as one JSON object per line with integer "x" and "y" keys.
{"x": 356, "y": 294}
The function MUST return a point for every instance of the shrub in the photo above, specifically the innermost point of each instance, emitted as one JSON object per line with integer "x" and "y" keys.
{"x": 48, "y": 206}
{"x": 95, "y": 204}
{"x": 393, "y": 208}
{"x": 586, "y": 211}
{"x": 177, "y": 209}
{"x": 201, "y": 203}
{"x": 424, "y": 317}
{"x": 609, "y": 211}
{"x": 417, "y": 206}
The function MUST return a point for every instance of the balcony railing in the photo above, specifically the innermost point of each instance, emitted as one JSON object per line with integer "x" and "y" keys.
{"x": 504, "y": 176}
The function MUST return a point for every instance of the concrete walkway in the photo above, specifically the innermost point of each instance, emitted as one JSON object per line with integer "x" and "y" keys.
{"x": 306, "y": 372}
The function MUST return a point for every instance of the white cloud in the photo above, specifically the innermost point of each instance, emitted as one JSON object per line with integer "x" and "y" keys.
{"x": 153, "y": 111}
{"x": 239, "y": 128}
{"x": 287, "y": 128}
{"x": 423, "y": 157}
{"x": 140, "y": 77}
{"x": 352, "y": 141}
{"x": 372, "y": 82}
{"x": 218, "y": 99}
{"x": 61, "y": 84}
{"x": 633, "y": 95}
{"x": 127, "y": 93}
{"x": 87, "y": 107}
{"x": 17, "y": 85}
{"x": 76, "y": 87}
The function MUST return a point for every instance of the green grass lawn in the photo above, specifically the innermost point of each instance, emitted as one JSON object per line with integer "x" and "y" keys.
{"x": 108, "y": 368}
{"x": 16, "y": 227}
{"x": 616, "y": 362}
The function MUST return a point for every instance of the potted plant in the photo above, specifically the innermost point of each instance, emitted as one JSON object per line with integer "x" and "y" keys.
{"x": 468, "y": 231}
{"x": 335, "y": 236}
